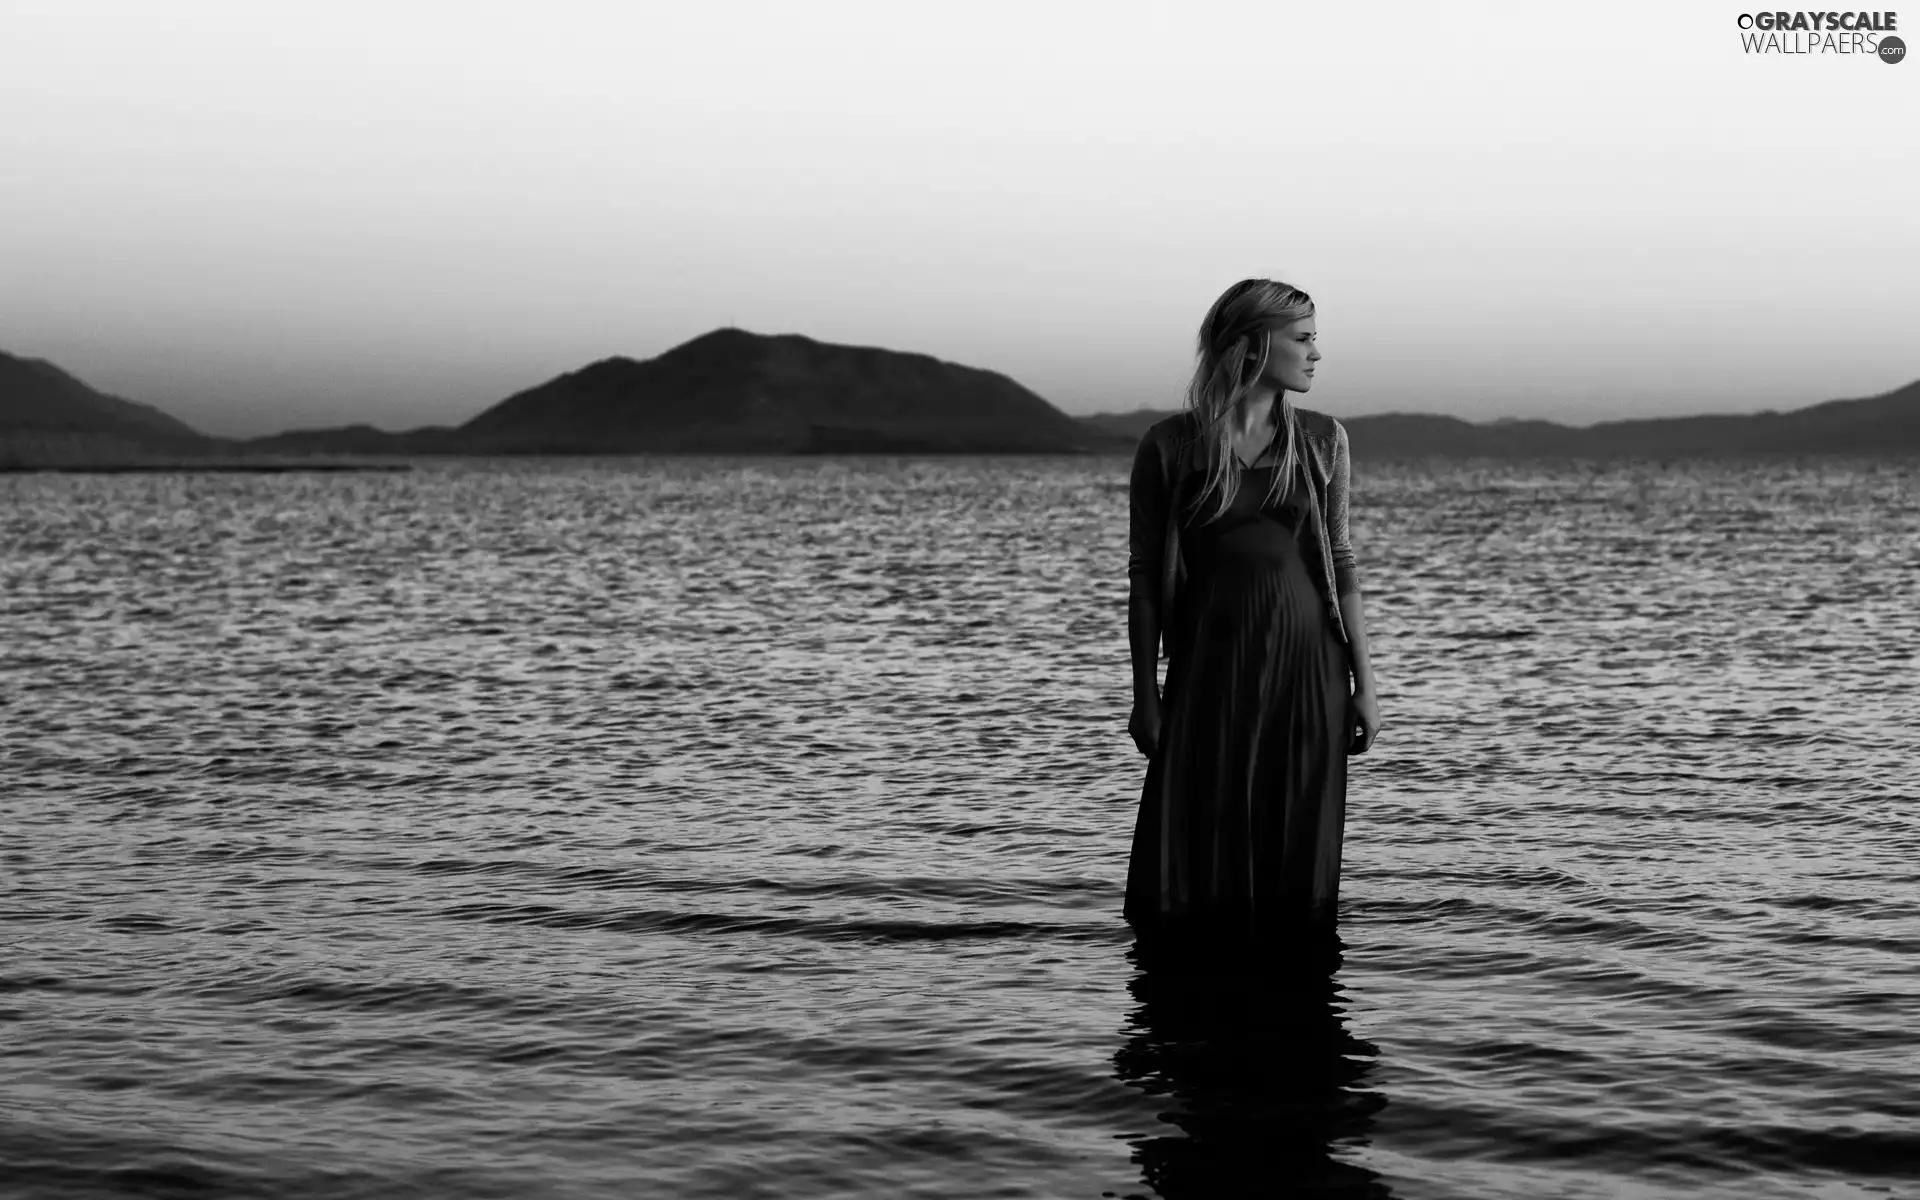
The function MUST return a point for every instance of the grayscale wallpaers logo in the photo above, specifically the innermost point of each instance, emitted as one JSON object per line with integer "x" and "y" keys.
{"x": 1869, "y": 34}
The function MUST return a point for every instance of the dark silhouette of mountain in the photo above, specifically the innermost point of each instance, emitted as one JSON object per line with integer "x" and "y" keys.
{"x": 359, "y": 440}
{"x": 731, "y": 391}
{"x": 48, "y": 416}
{"x": 51, "y": 420}
{"x": 1887, "y": 424}
{"x": 37, "y": 396}
{"x": 734, "y": 391}
{"x": 1127, "y": 425}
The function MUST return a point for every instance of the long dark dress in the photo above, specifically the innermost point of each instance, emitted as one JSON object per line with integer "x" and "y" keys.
{"x": 1244, "y": 805}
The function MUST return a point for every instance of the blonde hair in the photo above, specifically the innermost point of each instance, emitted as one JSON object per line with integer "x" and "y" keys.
{"x": 1235, "y": 340}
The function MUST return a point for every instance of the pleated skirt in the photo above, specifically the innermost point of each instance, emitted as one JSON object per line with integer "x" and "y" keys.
{"x": 1243, "y": 811}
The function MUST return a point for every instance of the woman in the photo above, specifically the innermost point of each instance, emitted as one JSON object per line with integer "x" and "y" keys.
{"x": 1239, "y": 562}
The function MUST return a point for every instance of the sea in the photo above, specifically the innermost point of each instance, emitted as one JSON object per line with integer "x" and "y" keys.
{"x": 758, "y": 827}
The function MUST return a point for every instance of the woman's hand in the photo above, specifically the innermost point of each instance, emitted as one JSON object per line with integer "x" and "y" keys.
{"x": 1144, "y": 725}
{"x": 1366, "y": 718}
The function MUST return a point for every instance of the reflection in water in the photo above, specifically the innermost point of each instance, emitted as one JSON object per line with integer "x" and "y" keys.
{"x": 1252, "y": 1062}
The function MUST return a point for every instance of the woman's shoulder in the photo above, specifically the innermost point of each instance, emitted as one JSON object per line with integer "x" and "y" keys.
{"x": 1168, "y": 434}
{"x": 1175, "y": 424}
{"x": 1317, "y": 422}
{"x": 1177, "y": 431}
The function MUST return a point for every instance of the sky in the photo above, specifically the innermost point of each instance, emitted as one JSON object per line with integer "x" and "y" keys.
{"x": 271, "y": 216}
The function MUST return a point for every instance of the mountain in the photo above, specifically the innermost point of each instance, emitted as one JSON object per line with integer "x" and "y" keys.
{"x": 727, "y": 391}
{"x": 1876, "y": 425}
{"x": 1128, "y": 425}
{"x": 48, "y": 416}
{"x": 359, "y": 440}
{"x": 731, "y": 391}
{"x": 37, "y": 396}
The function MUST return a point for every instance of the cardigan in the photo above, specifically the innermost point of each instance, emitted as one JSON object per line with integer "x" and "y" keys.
{"x": 1168, "y": 470}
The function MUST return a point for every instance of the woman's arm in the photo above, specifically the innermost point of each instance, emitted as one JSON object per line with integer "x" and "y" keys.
{"x": 1346, "y": 575}
{"x": 1146, "y": 534}
{"x": 1354, "y": 616}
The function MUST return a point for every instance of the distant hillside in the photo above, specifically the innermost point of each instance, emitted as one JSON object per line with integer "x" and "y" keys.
{"x": 735, "y": 391}
{"x": 51, "y": 420}
{"x": 730, "y": 391}
{"x": 1887, "y": 424}
{"x": 359, "y": 440}
{"x": 1127, "y": 425}
{"x": 48, "y": 416}
{"x": 39, "y": 397}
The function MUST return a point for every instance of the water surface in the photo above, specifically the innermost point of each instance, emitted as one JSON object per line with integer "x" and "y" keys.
{"x": 757, "y": 827}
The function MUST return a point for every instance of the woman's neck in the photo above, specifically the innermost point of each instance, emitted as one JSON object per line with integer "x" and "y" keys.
{"x": 1255, "y": 413}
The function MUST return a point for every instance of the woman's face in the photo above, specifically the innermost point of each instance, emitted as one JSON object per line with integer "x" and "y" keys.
{"x": 1291, "y": 355}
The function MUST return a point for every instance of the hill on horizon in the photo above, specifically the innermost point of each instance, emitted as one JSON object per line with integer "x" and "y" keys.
{"x": 734, "y": 391}
{"x": 1888, "y": 423}
{"x": 731, "y": 391}
{"x": 48, "y": 415}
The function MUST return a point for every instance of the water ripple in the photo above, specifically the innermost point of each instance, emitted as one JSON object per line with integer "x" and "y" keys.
{"x": 757, "y": 827}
